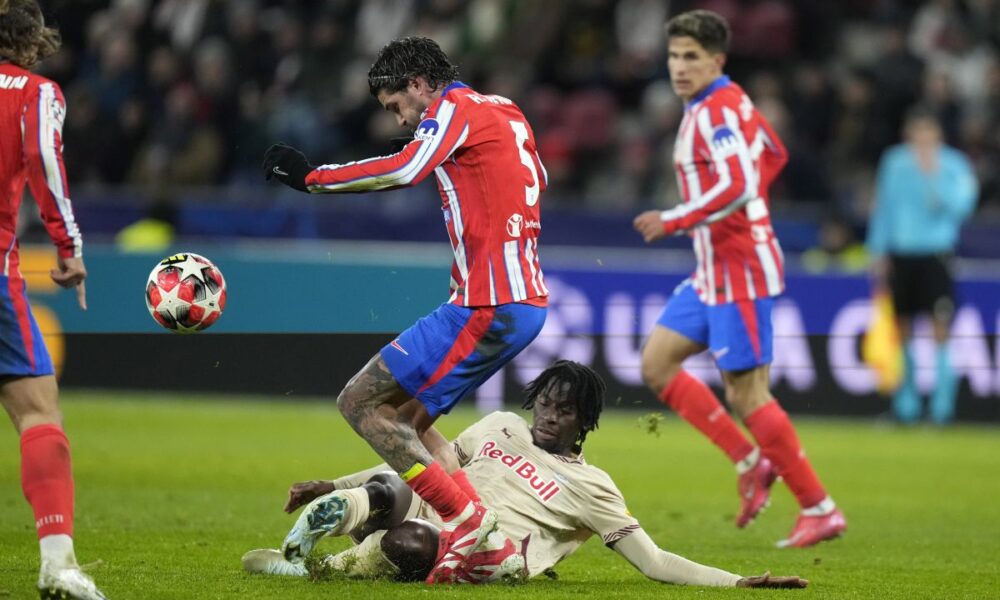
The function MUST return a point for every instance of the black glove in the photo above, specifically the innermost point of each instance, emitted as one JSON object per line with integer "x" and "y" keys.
{"x": 287, "y": 165}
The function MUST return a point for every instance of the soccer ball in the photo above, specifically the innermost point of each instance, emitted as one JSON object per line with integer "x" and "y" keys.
{"x": 185, "y": 293}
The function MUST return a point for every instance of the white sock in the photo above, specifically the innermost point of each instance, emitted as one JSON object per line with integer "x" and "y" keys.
{"x": 57, "y": 551}
{"x": 825, "y": 507}
{"x": 748, "y": 462}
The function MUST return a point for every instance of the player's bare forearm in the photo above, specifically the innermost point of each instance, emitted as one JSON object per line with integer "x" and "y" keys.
{"x": 650, "y": 226}
{"x": 305, "y": 492}
{"x": 371, "y": 403}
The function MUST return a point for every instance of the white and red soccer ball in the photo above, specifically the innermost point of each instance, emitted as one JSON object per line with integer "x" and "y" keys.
{"x": 185, "y": 293}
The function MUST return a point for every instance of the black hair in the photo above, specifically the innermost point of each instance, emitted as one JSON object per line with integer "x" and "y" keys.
{"x": 401, "y": 60}
{"x": 706, "y": 27}
{"x": 585, "y": 386}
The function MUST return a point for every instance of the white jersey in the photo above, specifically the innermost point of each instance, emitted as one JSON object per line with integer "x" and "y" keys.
{"x": 548, "y": 504}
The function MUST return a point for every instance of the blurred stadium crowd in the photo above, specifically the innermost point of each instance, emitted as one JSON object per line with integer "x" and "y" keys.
{"x": 190, "y": 92}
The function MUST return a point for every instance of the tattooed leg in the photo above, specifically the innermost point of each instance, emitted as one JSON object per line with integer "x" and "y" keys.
{"x": 373, "y": 403}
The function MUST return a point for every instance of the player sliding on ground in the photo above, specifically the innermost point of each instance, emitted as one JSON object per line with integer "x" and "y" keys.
{"x": 482, "y": 152}
{"x": 550, "y": 501}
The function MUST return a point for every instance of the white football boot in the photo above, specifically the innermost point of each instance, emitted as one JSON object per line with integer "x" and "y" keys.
{"x": 272, "y": 562}
{"x": 67, "y": 584}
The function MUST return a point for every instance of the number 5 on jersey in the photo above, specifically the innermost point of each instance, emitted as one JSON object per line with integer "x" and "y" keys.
{"x": 521, "y": 138}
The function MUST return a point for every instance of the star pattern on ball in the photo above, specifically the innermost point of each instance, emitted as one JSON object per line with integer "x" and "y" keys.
{"x": 191, "y": 267}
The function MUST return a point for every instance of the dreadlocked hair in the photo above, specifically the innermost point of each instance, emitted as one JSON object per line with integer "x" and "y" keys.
{"x": 579, "y": 382}
{"x": 403, "y": 59}
{"x": 24, "y": 38}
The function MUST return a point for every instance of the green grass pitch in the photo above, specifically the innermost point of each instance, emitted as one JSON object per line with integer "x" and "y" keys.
{"x": 171, "y": 491}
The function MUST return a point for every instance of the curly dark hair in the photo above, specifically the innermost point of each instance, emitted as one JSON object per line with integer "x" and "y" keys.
{"x": 706, "y": 27}
{"x": 403, "y": 59}
{"x": 582, "y": 383}
{"x": 24, "y": 38}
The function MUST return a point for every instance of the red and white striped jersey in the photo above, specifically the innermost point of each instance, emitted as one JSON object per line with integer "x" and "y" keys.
{"x": 726, "y": 155}
{"x": 482, "y": 151}
{"x": 32, "y": 110}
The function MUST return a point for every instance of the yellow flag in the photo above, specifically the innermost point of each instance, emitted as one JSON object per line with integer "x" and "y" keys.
{"x": 881, "y": 348}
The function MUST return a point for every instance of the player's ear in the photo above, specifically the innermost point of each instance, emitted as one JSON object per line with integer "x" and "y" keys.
{"x": 720, "y": 60}
{"x": 418, "y": 84}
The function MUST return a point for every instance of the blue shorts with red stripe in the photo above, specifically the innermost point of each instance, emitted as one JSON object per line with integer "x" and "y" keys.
{"x": 22, "y": 349}
{"x": 738, "y": 334}
{"x": 449, "y": 353}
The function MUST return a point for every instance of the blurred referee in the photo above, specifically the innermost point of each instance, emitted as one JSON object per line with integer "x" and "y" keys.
{"x": 925, "y": 190}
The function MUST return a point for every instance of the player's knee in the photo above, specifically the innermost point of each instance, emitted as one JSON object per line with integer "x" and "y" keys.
{"x": 745, "y": 400}
{"x": 347, "y": 401}
{"x": 31, "y": 401}
{"x": 412, "y": 546}
{"x": 657, "y": 373}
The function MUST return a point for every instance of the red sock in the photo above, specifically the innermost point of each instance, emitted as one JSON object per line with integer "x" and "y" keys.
{"x": 773, "y": 430}
{"x": 47, "y": 478}
{"x": 438, "y": 489}
{"x": 466, "y": 486}
{"x": 697, "y": 404}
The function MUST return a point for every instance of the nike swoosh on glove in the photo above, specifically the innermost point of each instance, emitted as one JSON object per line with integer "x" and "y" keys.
{"x": 287, "y": 165}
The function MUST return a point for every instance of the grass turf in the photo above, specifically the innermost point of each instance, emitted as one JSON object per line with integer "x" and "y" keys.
{"x": 171, "y": 491}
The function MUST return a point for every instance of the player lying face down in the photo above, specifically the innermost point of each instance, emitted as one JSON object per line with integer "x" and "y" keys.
{"x": 518, "y": 466}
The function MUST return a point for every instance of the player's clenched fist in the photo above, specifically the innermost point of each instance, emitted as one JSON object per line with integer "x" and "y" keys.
{"x": 305, "y": 492}
{"x": 287, "y": 165}
{"x": 767, "y": 581}
{"x": 650, "y": 226}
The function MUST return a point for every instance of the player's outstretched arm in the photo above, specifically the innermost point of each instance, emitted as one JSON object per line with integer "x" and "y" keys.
{"x": 658, "y": 564}
{"x": 768, "y": 581}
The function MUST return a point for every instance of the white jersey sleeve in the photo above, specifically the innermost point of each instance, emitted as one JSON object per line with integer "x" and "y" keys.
{"x": 660, "y": 565}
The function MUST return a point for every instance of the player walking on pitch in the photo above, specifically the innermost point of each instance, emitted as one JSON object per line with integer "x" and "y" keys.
{"x": 482, "y": 152}
{"x": 31, "y": 120}
{"x": 726, "y": 155}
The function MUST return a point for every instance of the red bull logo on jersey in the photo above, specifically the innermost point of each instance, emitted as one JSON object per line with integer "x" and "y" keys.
{"x": 524, "y": 468}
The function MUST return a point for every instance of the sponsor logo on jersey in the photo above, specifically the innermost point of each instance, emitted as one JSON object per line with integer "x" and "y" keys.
{"x": 517, "y": 223}
{"x": 395, "y": 344}
{"x": 514, "y": 224}
{"x": 724, "y": 140}
{"x": 427, "y": 129}
{"x": 523, "y": 468}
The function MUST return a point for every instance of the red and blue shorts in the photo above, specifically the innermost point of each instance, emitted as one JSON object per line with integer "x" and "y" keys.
{"x": 449, "y": 353}
{"x": 22, "y": 349}
{"x": 738, "y": 334}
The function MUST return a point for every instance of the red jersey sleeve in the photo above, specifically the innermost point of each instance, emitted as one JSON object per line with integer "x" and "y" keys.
{"x": 41, "y": 131}
{"x": 730, "y": 170}
{"x": 442, "y": 131}
{"x": 774, "y": 156}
